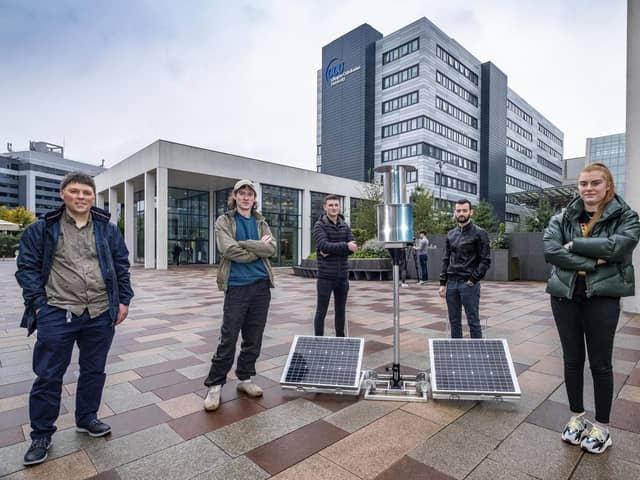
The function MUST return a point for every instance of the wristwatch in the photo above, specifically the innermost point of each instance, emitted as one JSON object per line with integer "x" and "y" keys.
{"x": 469, "y": 283}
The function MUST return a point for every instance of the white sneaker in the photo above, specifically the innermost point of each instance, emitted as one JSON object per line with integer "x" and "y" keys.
{"x": 597, "y": 440}
{"x": 250, "y": 389}
{"x": 421, "y": 282}
{"x": 212, "y": 400}
{"x": 404, "y": 285}
{"x": 574, "y": 430}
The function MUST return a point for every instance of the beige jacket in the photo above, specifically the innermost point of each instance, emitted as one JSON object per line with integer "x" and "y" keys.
{"x": 245, "y": 251}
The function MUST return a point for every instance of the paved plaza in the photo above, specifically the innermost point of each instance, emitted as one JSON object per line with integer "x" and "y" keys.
{"x": 154, "y": 393}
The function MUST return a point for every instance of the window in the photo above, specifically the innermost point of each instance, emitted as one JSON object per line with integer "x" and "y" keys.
{"x": 412, "y": 176}
{"x": 551, "y": 166}
{"x": 519, "y": 147}
{"x": 512, "y": 217}
{"x": 281, "y": 209}
{"x": 453, "y": 62}
{"x": 401, "y": 51}
{"x": 431, "y": 125}
{"x": 521, "y": 184}
{"x": 455, "y": 183}
{"x": 429, "y": 151}
{"x": 549, "y": 134}
{"x": 400, "y": 77}
{"x": 511, "y": 125}
{"x": 400, "y": 102}
{"x": 512, "y": 162}
{"x": 549, "y": 150}
{"x": 464, "y": 117}
{"x": 449, "y": 84}
{"x": 519, "y": 112}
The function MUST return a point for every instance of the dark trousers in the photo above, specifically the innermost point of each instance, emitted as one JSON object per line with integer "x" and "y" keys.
{"x": 424, "y": 275}
{"x": 245, "y": 310}
{"x": 459, "y": 295}
{"x": 51, "y": 357}
{"x": 340, "y": 288}
{"x": 594, "y": 320}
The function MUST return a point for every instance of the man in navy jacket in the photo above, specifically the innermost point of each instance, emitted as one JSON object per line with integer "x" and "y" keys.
{"x": 73, "y": 268}
{"x": 334, "y": 243}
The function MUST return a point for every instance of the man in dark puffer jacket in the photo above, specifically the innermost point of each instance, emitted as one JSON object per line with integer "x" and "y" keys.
{"x": 334, "y": 243}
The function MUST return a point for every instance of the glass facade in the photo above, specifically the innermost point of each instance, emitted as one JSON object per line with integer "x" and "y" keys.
{"x": 609, "y": 150}
{"x": 222, "y": 197}
{"x": 188, "y": 220}
{"x": 281, "y": 209}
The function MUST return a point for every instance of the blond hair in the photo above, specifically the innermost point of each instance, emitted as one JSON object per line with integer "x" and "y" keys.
{"x": 606, "y": 173}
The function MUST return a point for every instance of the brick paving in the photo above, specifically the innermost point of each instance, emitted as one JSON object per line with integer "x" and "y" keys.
{"x": 153, "y": 397}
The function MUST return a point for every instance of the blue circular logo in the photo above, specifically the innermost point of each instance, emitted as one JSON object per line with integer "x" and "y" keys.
{"x": 333, "y": 70}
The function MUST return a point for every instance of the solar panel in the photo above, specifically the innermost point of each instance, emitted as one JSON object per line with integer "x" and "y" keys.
{"x": 324, "y": 362}
{"x": 472, "y": 369}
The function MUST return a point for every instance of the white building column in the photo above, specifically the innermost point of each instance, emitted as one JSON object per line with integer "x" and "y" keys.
{"x": 129, "y": 218}
{"x": 100, "y": 200}
{"x": 632, "y": 137}
{"x": 346, "y": 209}
{"x": 150, "y": 219}
{"x": 212, "y": 222}
{"x": 305, "y": 213}
{"x": 31, "y": 191}
{"x": 113, "y": 204}
{"x": 162, "y": 217}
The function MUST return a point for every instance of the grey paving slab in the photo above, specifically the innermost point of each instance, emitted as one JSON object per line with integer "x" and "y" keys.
{"x": 356, "y": 416}
{"x": 195, "y": 371}
{"x": 240, "y": 468}
{"x": 499, "y": 419}
{"x": 252, "y": 432}
{"x": 437, "y": 450}
{"x": 133, "y": 363}
{"x": 132, "y": 447}
{"x": 185, "y": 460}
{"x": 490, "y": 470}
{"x": 553, "y": 460}
{"x": 11, "y": 458}
{"x": 594, "y": 467}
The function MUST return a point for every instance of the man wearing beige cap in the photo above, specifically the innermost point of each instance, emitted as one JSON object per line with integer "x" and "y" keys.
{"x": 245, "y": 244}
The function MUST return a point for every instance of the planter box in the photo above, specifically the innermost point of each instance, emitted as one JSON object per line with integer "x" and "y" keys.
{"x": 359, "y": 268}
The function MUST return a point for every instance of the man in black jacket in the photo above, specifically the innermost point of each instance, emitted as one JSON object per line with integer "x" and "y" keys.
{"x": 466, "y": 261}
{"x": 334, "y": 243}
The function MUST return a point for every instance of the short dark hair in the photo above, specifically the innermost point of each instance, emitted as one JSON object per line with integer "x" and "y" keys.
{"x": 78, "y": 177}
{"x": 330, "y": 197}
{"x": 462, "y": 201}
{"x": 423, "y": 231}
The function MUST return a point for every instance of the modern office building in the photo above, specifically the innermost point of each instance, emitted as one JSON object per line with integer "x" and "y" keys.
{"x": 610, "y": 150}
{"x": 572, "y": 168}
{"x": 186, "y": 188}
{"x": 31, "y": 178}
{"x": 437, "y": 107}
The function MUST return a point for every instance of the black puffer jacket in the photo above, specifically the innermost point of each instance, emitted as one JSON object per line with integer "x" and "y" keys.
{"x": 467, "y": 254}
{"x": 613, "y": 238}
{"x": 331, "y": 246}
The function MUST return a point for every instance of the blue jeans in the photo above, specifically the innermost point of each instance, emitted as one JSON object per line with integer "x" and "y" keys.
{"x": 51, "y": 357}
{"x": 459, "y": 295}
{"x": 245, "y": 310}
{"x": 424, "y": 275}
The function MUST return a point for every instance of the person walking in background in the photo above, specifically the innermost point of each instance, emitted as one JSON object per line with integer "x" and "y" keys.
{"x": 73, "y": 268}
{"x": 334, "y": 244}
{"x": 177, "y": 250}
{"x": 590, "y": 246}
{"x": 421, "y": 249}
{"x": 466, "y": 261}
{"x": 245, "y": 244}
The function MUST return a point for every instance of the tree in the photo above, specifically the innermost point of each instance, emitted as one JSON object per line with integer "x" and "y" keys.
{"x": 540, "y": 218}
{"x": 19, "y": 215}
{"x": 484, "y": 217}
{"x": 9, "y": 244}
{"x": 364, "y": 216}
{"x": 422, "y": 201}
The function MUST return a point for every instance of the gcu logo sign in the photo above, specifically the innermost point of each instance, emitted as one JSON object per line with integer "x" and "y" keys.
{"x": 333, "y": 70}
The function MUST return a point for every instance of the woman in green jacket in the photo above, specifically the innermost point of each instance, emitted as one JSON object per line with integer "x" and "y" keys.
{"x": 590, "y": 246}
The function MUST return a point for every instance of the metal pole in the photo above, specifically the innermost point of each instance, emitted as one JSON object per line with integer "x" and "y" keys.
{"x": 396, "y": 323}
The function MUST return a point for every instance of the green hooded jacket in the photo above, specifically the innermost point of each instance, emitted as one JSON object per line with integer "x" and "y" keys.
{"x": 613, "y": 238}
{"x": 245, "y": 251}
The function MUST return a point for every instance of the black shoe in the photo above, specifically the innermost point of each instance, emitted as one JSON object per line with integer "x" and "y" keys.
{"x": 94, "y": 428}
{"x": 37, "y": 452}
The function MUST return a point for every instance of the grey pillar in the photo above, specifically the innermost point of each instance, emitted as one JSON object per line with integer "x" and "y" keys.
{"x": 306, "y": 224}
{"x": 113, "y": 205}
{"x": 212, "y": 221}
{"x": 100, "y": 200}
{"x": 632, "y": 140}
{"x": 129, "y": 218}
{"x": 150, "y": 219}
{"x": 162, "y": 208}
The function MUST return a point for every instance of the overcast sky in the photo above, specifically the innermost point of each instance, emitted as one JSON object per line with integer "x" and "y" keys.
{"x": 108, "y": 77}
